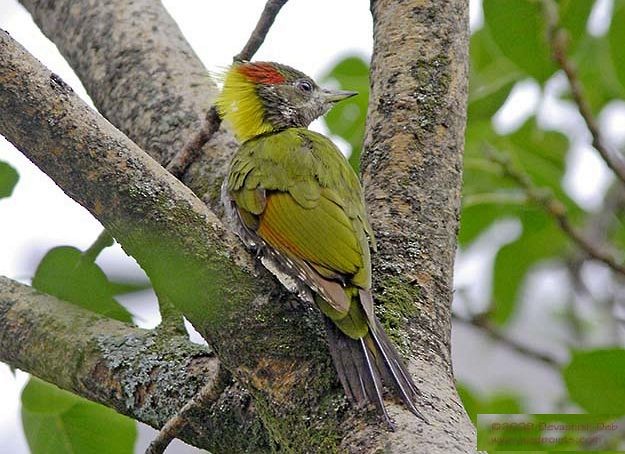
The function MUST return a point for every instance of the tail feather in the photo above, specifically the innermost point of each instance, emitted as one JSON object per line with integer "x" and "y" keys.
{"x": 357, "y": 370}
{"x": 349, "y": 362}
{"x": 393, "y": 365}
{"x": 377, "y": 383}
{"x": 364, "y": 365}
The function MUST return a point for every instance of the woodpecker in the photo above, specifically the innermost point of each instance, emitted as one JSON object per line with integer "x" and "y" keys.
{"x": 293, "y": 197}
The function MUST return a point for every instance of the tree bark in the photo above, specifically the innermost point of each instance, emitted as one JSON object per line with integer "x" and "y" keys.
{"x": 138, "y": 372}
{"x": 143, "y": 77}
{"x": 147, "y": 81}
{"x": 412, "y": 174}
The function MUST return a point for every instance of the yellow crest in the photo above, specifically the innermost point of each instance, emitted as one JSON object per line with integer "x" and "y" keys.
{"x": 239, "y": 104}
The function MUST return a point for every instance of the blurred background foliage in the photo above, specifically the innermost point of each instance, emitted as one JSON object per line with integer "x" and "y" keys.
{"x": 535, "y": 294}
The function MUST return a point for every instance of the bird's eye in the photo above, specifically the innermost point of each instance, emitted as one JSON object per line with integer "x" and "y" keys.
{"x": 304, "y": 86}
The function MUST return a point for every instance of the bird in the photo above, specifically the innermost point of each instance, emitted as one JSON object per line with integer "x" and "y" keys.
{"x": 292, "y": 197}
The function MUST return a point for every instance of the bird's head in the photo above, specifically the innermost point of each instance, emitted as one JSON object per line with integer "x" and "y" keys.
{"x": 261, "y": 97}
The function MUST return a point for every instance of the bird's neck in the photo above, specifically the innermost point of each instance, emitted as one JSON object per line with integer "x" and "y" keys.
{"x": 241, "y": 107}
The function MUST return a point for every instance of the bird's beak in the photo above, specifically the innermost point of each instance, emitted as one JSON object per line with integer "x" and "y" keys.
{"x": 338, "y": 95}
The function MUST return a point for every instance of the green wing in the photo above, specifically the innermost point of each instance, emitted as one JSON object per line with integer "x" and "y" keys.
{"x": 322, "y": 235}
{"x": 298, "y": 193}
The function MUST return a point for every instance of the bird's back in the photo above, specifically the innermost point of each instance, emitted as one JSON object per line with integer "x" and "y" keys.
{"x": 297, "y": 192}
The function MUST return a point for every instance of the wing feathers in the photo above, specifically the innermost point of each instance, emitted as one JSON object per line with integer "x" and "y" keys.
{"x": 318, "y": 235}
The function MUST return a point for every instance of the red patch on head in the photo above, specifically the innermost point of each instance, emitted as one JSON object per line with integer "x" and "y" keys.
{"x": 261, "y": 73}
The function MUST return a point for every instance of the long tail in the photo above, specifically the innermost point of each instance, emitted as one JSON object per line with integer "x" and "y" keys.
{"x": 364, "y": 364}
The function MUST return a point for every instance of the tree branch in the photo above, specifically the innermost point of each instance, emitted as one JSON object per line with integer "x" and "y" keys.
{"x": 553, "y": 207}
{"x": 171, "y": 429}
{"x": 487, "y": 328}
{"x": 558, "y": 39}
{"x": 412, "y": 165}
{"x": 210, "y": 125}
{"x": 191, "y": 149}
{"x": 267, "y": 17}
{"x": 137, "y": 372}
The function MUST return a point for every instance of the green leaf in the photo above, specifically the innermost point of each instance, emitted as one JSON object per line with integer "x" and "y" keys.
{"x": 542, "y": 156}
{"x": 616, "y": 38}
{"x": 518, "y": 28}
{"x": 503, "y": 404}
{"x": 481, "y": 176}
{"x": 492, "y": 77}
{"x": 540, "y": 153}
{"x": 8, "y": 179}
{"x": 617, "y": 233}
{"x": 498, "y": 403}
{"x": 476, "y": 219}
{"x": 595, "y": 70}
{"x": 347, "y": 118}
{"x": 59, "y": 422}
{"x": 596, "y": 382}
{"x": 488, "y": 91}
{"x": 540, "y": 240}
{"x": 67, "y": 274}
{"x": 470, "y": 401}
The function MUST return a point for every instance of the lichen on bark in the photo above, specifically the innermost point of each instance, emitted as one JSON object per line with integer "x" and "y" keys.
{"x": 138, "y": 372}
{"x": 411, "y": 164}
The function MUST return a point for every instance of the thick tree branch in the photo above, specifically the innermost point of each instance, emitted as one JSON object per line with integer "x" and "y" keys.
{"x": 412, "y": 167}
{"x": 272, "y": 345}
{"x": 138, "y": 372}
